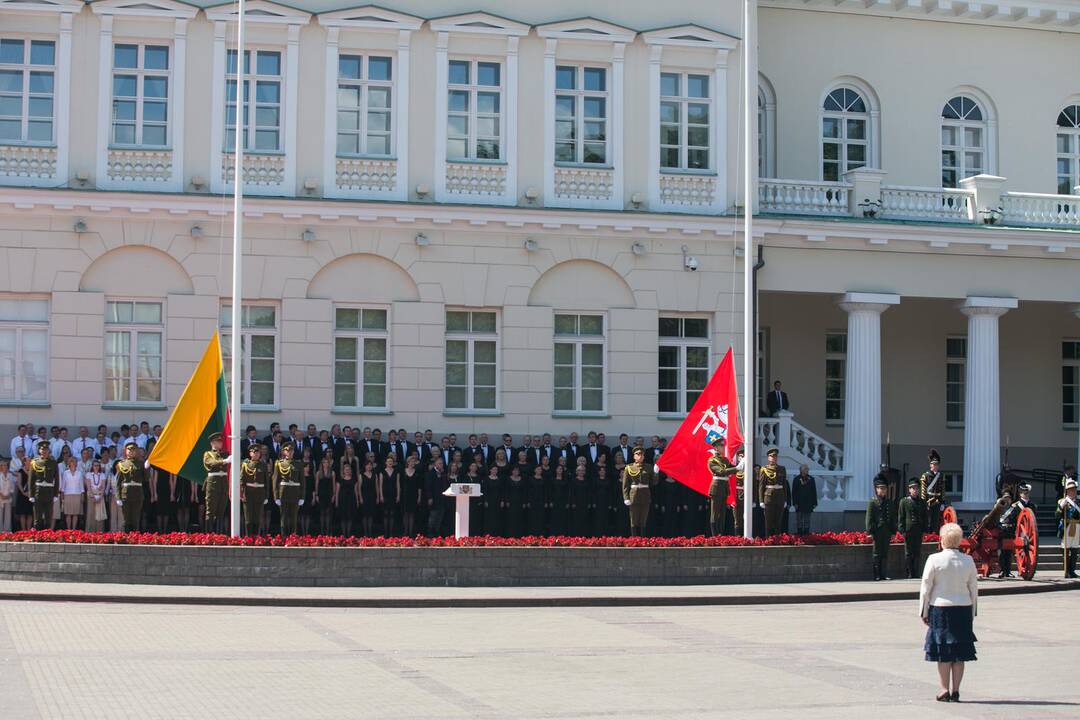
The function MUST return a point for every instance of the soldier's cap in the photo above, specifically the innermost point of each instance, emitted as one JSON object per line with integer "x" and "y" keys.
{"x": 772, "y": 452}
{"x": 880, "y": 482}
{"x": 883, "y": 466}
{"x": 637, "y": 449}
{"x": 933, "y": 456}
{"x": 42, "y": 443}
{"x": 1071, "y": 484}
{"x": 913, "y": 483}
{"x": 718, "y": 442}
{"x": 216, "y": 436}
{"x": 255, "y": 446}
{"x": 1024, "y": 487}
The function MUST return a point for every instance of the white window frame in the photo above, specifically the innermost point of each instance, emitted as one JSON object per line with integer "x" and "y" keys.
{"x": 134, "y": 329}
{"x": 579, "y": 95}
{"x": 251, "y": 80}
{"x": 961, "y": 148}
{"x": 684, "y": 100}
{"x": 1075, "y": 364}
{"x": 363, "y": 85}
{"x": 1068, "y": 128}
{"x": 361, "y": 335}
{"x": 961, "y": 361}
{"x": 842, "y": 380}
{"x": 246, "y": 333}
{"x": 20, "y": 326}
{"x": 577, "y": 340}
{"x": 682, "y": 343}
{"x": 472, "y": 114}
{"x": 140, "y": 72}
{"x": 25, "y": 96}
{"x": 843, "y": 141}
{"x": 470, "y": 338}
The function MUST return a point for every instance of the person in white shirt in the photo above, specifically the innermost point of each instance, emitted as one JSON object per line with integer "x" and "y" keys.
{"x": 82, "y": 442}
{"x": 97, "y": 487}
{"x": 86, "y": 458}
{"x": 8, "y": 488}
{"x": 58, "y": 443}
{"x": 23, "y": 440}
{"x": 72, "y": 487}
{"x": 948, "y": 602}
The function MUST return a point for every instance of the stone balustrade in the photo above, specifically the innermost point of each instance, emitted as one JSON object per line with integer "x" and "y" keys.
{"x": 28, "y": 162}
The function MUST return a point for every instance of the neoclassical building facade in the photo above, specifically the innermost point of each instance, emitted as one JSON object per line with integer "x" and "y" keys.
{"x": 501, "y": 216}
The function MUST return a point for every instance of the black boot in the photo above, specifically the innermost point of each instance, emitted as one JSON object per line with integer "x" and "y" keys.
{"x": 877, "y": 570}
{"x": 1070, "y": 564}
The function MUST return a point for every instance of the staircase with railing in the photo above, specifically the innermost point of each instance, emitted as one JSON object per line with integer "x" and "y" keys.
{"x": 798, "y": 445}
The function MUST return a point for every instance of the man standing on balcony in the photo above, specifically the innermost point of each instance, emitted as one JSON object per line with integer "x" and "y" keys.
{"x": 774, "y": 493}
{"x": 777, "y": 400}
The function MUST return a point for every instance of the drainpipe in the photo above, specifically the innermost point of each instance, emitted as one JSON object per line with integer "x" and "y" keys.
{"x": 757, "y": 266}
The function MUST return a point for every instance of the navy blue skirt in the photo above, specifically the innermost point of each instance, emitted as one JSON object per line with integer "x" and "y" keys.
{"x": 950, "y": 637}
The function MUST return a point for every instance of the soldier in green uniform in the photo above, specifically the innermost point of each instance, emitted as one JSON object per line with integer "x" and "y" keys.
{"x": 738, "y": 508}
{"x": 216, "y": 487}
{"x": 880, "y": 526}
{"x": 288, "y": 489}
{"x": 932, "y": 491}
{"x": 253, "y": 489}
{"x": 721, "y": 469}
{"x": 637, "y": 482}
{"x": 774, "y": 493}
{"x": 130, "y": 479}
{"x": 911, "y": 522}
{"x": 43, "y": 476}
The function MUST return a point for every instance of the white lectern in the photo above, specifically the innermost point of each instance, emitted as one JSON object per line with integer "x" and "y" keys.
{"x": 462, "y": 491}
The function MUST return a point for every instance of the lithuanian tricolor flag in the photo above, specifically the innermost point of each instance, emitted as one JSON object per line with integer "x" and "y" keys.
{"x": 203, "y": 410}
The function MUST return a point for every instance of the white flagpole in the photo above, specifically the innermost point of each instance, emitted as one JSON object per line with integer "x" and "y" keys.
{"x": 237, "y": 287}
{"x": 749, "y": 329}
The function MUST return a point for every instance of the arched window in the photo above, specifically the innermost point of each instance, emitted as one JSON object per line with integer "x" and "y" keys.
{"x": 766, "y": 128}
{"x": 963, "y": 140}
{"x": 1068, "y": 150}
{"x": 845, "y": 133}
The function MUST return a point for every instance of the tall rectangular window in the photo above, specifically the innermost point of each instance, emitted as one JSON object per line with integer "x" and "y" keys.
{"x": 835, "y": 374}
{"x": 24, "y": 350}
{"x": 683, "y": 363}
{"x": 472, "y": 367}
{"x": 258, "y": 359}
{"x": 581, "y": 114}
{"x": 27, "y": 76}
{"x": 140, "y": 109}
{"x": 580, "y": 366}
{"x": 474, "y": 110}
{"x": 360, "y": 362}
{"x": 262, "y": 103}
{"x": 685, "y": 121}
{"x": 1070, "y": 382}
{"x": 134, "y": 351}
{"x": 365, "y": 85}
{"x": 955, "y": 360}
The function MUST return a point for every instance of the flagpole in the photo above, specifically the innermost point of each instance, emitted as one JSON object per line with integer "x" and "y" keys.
{"x": 237, "y": 287}
{"x": 749, "y": 331}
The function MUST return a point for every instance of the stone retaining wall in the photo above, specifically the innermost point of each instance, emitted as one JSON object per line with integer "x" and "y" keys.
{"x": 385, "y": 567}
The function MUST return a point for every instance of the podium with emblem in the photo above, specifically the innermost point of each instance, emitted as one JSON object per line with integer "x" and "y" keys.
{"x": 464, "y": 492}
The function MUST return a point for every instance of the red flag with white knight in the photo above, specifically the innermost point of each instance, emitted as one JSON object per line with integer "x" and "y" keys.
{"x": 714, "y": 415}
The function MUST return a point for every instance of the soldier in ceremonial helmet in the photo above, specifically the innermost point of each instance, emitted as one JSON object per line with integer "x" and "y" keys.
{"x": 737, "y": 491}
{"x": 253, "y": 489}
{"x": 43, "y": 476}
{"x": 932, "y": 490}
{"x": 774, "y": 493}
{"x": 880, "y": 525}
{"x": 912, "y": 523}
{"x": 130, "y": 480}
{"x": 718, "y": 489}
{"x": 288, "y": 489}
{"x": 637, "y": 481}
{"x": 216, "y": 487}
{"x": 1008, "y": 521}
{"x": 1068, "y": 515}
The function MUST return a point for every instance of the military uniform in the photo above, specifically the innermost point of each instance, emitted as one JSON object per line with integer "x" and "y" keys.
{"x": 216, "y": 487}
{"x": 637, "y": 482}
{"x": 288, "y": 492}
{"x": 718, "y": 489}
{"x": 254, "y": 482}
{"x": 738, "y": 497}
{"x": 911, "y": 521}
{"x": 1008, "y": 522}
{"x": 130, "y": 479}
{"x": 932, "y": 492}
{"x": 880, "y": 526}
{"x": 1068, "y": 516}
{"x": 774, "y": 493}
{"x": 43, "y": 476}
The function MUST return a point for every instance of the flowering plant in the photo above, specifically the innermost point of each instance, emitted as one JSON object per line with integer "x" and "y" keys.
{"x": 213, "y": 539}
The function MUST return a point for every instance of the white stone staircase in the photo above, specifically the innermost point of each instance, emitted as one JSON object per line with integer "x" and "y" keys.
{"x": 798, "y": 445}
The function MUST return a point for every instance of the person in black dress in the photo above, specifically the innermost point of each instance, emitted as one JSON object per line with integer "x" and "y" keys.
{"x": 345, "y": 498}
{"x": 368, "y": 494}
{"x": 516, "y": 494}
{"x": 434, "y": 484}
{"x": 325, "y": 480}
{"x": 537, "y": 501}
{"x": 412, "y": 486}
{"x": 559, "y": 500}
{"x": 389, "y": 495}
{"x": 307, "y": 491}
{"x": 580, "y": 501}
{"x": 476, "y": 504}
{"x": 164, "y": 506}
{"x": 603, "y": 494}
{"x": 494, "y": 509}
{"x": 24, "y": 509}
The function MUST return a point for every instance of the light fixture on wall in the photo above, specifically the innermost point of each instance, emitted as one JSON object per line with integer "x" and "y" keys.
{"x": 638, "y": 248}
{"x": 198, "y": 182}
{"x": 637, "y": 200}
{"x": 531, "y": 245}
{"x": 690, "y": 263}
{"x": 196, "y": 231}
{"x": 82, "y": 177}
{"x": 308, "y": 235}
{"x": 80, "y": 226}
{"x": 531, "y": 194}
{"x": 422, "y": 190}
{"x": 422, "y": 240}
{"x": 310, "y": 184}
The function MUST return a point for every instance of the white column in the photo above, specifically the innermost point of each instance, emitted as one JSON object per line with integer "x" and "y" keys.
{"x": 862, "y": 389}
{"x": 401, "y": 142}
{"x": 217, "y": 110}
{"x": 63, "y": 99}
{"x": 510, "y": 197}
{"x": 291, "y": 110}
{"x": 178, "y": 104}
{"x": 549, "y": 121}
{"x": 329, "y": 158}
{"x": 104, "y": 98}
{"x": 655, "y": 53}
{"x": 617, "y": 109}
{"x": 442, "y": 69}
{"x": 982, "y": 411}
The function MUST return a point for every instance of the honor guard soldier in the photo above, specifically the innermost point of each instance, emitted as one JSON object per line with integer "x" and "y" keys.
{"x": 911, "y": 521}
{"x": 130, "y": 479}
{"x": 637, "y": 481}
{"x": 718, "y": 489}
{"x": 1008, "y": 524}
{"x": 932, "y": 491}
{"x": 774, "y": 493}
{"x": 288, "y": 489}
{"x": 253, "y": 489}
{"x": 43, "y": 476}
{"x": 216, "y": 487}
{"x": 1068, "y": 515}
{"x": 737, "y": 491}
{"x": 880, "y": 526}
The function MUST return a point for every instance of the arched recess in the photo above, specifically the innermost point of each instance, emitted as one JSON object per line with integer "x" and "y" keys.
{"x": 873, "y": 116}
{"x": 581, "y": 285}
{"x": 136, "y": 271}
{"x": 989, "y": 119}
{"x": 363, "y": 278}
{"x": 766, "y": 128}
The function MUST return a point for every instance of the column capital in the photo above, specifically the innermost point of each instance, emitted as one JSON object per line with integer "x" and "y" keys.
{"x": 867, "y": 302}
{"x": 992, "y": 306}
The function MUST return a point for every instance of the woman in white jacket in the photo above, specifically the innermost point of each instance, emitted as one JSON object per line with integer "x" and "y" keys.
{"x": 948, "y": 602}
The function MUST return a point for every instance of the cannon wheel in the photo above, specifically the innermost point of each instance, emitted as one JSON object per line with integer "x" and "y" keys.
{"x": 1026, "y": 546}
{"x": 948, "y": 515}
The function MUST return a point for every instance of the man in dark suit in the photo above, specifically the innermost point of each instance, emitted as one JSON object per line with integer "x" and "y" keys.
{"x": 378, "y": 446}
{"x": 625, "y": 450}
{"x": 274, "y": 429}
{"x": 547, "y": 448}
{"x": 487, "y": 451}
{"x": 397, "y": 447}
{"x": 776, "y": 400}
{"x": 250, "y": 438}
{"x": 508, "y": 447}
{"x": 573, "y": 450}
{"x": 453, "y": 446}
{"x": 277, "y": 440}
{"x": 311, "y": 440}
{"x": 591, "y": 450}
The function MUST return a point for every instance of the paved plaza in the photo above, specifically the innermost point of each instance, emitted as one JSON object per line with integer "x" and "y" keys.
{"x": 857, "y": 660}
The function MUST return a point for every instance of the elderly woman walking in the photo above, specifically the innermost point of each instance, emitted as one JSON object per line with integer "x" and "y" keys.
{"x": 948, "y": 601}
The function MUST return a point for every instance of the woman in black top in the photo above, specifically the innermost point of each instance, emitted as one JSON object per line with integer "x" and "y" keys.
{"x": 345, "y": 498}
{"x": 389, "y": 495}
{"x": 516, "y": 495}
{"x": 537, "y": 500}
{"x": 522, "y": 464}
{"x": 602, "y": 495}
{"x": 494, "y": 509}
{"x": 476, "y": 504}
{"x": 24, "y": 509}
{"x": 559, "y": 500}
{"x": 368, "y": 494}
{"x": 580, "y": 501}
{"x": 411, "y": 488}
{"x": 325, "y": 480}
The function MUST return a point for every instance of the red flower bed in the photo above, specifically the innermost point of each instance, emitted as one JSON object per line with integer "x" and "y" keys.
{"x": 104, "y": 538}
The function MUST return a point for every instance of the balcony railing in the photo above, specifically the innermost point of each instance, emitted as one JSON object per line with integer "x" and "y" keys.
{"x": 800, "y": 197}
{"x": 1040, "y": 210}
{"x": 919, "y": 203}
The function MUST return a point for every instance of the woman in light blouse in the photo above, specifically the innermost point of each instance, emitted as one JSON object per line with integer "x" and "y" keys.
{"x": 72, "y": 487}
{"x": 948, "y": 602}
{"x": 97, "y": 485}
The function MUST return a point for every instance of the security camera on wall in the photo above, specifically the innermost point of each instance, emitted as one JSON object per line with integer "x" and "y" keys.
{"x": 691, "y": 263}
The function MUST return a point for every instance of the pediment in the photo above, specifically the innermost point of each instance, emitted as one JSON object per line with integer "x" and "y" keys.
{"x": 479, "y": 23}
{"x": 370, "y": 17}
{"x": 260, "y": 11}
{"x": 144, "y": 8}
{"x": 690, "y": 36}
{"x": 41, "y": 6}
{"x": 586, "y": 29}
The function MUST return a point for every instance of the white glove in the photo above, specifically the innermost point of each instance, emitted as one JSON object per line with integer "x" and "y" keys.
{"x": 301, "y": 503}
{"x": 656, "y": 468}
{"x": 265, "y": 502}
{"x": 626, "y": 502}
{"x": 277, "y": 502}
{"x": 146, "y": 465}
{"x": 33, "y": 499}
{"x": 119, "y": 503}
{"x": 228, "y": 460}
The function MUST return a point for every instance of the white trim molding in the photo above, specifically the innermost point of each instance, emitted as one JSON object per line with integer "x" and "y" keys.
{"x": 487, "y": 182}
{"x": 599, "y": 187}
{"x": 376, "y": 177}
{"x": 682, "y": 190}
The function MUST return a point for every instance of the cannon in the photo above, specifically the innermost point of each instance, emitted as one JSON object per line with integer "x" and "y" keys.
{"x": 987, "y": 538}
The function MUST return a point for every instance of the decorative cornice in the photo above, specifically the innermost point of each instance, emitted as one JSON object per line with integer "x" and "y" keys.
{"x": 586, "y": 30}
{"x": 260, "y": 11}
{"x": 34, "y": 7}
{"x": 370, "y": 17}
{"x": 144, "y": 8}
{"x": 479, "y": 23}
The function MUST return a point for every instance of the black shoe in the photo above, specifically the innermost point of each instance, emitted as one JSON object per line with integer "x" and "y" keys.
{"x": 944, "y": 697}
{"x": 955, "y": 697}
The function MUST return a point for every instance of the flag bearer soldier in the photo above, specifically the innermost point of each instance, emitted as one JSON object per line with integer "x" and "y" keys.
{"x": 130, "y": 481}
{"x": 773, "y": 493}
{"x": 253, "y": 487}
{"x": 1008, "y": 524}
{"x": 288, "y": 490}
{"x": 43, "y": 476}
{"x": 912, "y": 523}
{"x": 932, "y": 491}
{"x": 718, "y": 489}
{"x": 880, "y": 526}
{"x": 637, "y": 481}
{"x": 1068, "y": 515}
{"x": 737, "y": 491}
{"x": 216, "y": 487}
